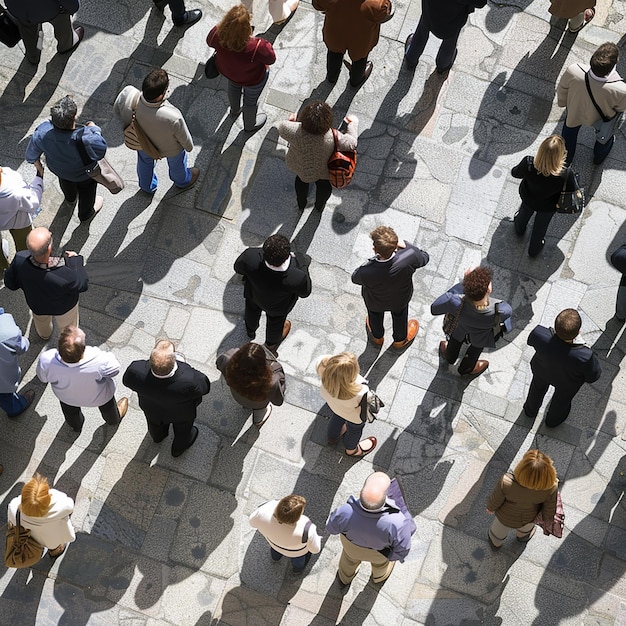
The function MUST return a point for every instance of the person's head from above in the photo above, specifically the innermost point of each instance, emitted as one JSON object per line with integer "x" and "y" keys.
{"x": 604, "y": 59}
{"x": 249, "y": 373}
{"x": 235, "y": 29}
{"x": 477, "y": 283}
{"x": 385, "y": 241}
{"x": 567, "y": 325}
{"x": 550, "y": 158}
{"x": 339, "y": 375}
{"x": 155, "y": 85}
{"x": 535, "y": 471}
{"x": 290, "y": 509}
{"x": 163, "y": 357}
{"x": 39, "y": 243}
{"x": 72, "y": 344}
{"x": 36, "y": 497}
{"x": 374, "y": 491}
{"x": 63, "y": 113}
{"x": 316, "y": 118}
{"x": 276, "y": 250}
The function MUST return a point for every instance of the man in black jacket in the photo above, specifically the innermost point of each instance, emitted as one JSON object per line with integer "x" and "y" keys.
{"x": 273, "y": 282}
{"x": 559, "y": 362}
{"x": 618, "y": 261}
{"x": 387, "y": 285}
{"x": 444, "y": 19}
{"x": 169, "y": 393}
{"x": 51, "y": 285}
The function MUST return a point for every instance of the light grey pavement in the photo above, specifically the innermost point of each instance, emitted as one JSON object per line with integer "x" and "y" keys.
{"x": 166, "y": 541}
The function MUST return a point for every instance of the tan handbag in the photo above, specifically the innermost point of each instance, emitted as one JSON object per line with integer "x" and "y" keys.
{"x": 136, "y": 139}
{"x": 21, "y": 549}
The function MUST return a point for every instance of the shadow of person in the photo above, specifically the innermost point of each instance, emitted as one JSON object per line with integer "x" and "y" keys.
{"x": 499, "y": 15}
{"x": 591, "y": 559}
{"x": 509, "y": 119}
{"x": 474, "y": 578}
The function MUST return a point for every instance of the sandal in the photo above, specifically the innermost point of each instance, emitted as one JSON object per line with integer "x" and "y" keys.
{"x": 588, "y": 11}
{"x": 360, "y": 451}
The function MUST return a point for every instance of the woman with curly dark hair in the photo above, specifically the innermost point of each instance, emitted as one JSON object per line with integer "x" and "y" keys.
{"x": 243, "y": 60}
{"x": 476, "y": 319}
{"x": 256, "y": 379}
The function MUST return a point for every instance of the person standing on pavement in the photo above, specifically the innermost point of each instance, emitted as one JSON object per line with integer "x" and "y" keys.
{"x": 19, "y": 204}
{"x": 477, "y": 320}
{"x": 608, "y": 90}
{"x": 618, "y": 261}
{"x": 170, "y": 391}
{"x": 56, "y": 140}
{"x": 444, "y": 19}
{"x": 387, "y": 285}
{"x": 82, "y": 375}
{"x": 374, "y": 527}
{"x": 578, "y": 12}
{"x": 164, "y": 125}
{"x": 559, "y": 362}
{"x": 287, "y": 530}
{"x": 351, "y": 26}
{"x": 180, "y": 16}
{"x": 311, "y": 144}
{"x": 273, "y": 281}
{"x": 543, "y": 179}
{"x": 31, "y": 14}
{"x": 244, "y": 61}
{"x": 51, "y": 285}
{"x": 520, "y": 495}
{"x": 12, "y": 343}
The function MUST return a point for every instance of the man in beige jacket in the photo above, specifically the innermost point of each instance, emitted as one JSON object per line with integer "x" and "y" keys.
{"x": 164, "y": 125}
{"x": 609, "y": 93}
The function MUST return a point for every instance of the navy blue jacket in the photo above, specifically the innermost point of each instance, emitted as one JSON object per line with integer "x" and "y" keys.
{"x": 446, "y": 18}
{"x": 39, "y": 11}
{"x": 618, "y": 261}
{"x": 561, "y": 364}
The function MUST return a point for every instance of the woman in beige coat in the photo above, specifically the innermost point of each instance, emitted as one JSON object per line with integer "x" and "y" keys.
{"x": 579, "y": 12}
{"x": 520, "y": 495}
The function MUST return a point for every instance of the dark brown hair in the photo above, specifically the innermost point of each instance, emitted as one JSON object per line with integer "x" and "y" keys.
{"x": 316, "y": 118}
{"x": 604, "y": 59}
{"x": 71, "y": 344}
{"x": 248, "y": 373}
{"x": 289, "y": 509}
{"x": 155, "y": 84}
{"x": 567, "y": 324}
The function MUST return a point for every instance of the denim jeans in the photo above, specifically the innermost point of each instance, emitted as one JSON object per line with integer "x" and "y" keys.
{"x": 353, "y": 431}
{"x": 297, "y": 562}
{"x": 180, "y": 174}
{"x": 12, "y": 403}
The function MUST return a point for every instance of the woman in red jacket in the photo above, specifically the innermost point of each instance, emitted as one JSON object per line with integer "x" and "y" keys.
{"x": 243, "y": 60}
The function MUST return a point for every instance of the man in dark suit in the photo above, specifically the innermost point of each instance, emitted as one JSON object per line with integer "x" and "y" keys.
{"x": 51, "y": 285}
{"x": 169, "y": 393}
{"x": 559, "y": 362}
{"x": 387, "y": 285}
{"x": 274, "y": 280}
{"x": 618, "y": 261}
{"x": 444, "y": 19}
{"x": 180, "y": 16}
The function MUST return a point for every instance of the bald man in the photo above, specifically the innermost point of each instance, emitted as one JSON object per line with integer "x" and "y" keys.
{"x": 51, "y": 284}
{"x": 376, "y": 527}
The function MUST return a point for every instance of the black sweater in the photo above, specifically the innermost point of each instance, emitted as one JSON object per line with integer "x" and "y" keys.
{"x": 539, "y": 192}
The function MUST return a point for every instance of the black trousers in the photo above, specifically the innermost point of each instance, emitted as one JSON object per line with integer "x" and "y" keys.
{"x": 469, "y": 360}
{"x": 75, "y": 418}
{"x": 333, "y": 68}
{"x": 323, "y": 191}
{"x": 159, "y": 430}
{"x": 560, "y": 405}
{"x": 400, "y": 321}
{"x": 540, "y": 226}
{"x": 274, "y": 327}
{"x": 86, "y": 191}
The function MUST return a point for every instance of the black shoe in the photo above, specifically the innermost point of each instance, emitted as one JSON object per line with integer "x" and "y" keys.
{"x": 251, "y": 333}
{"x": 190, "y": 18}
{"x": 80, "y": 31}
{"x": 194, "y": 436}
{"x": 407, "y": 45}
{"x": 366, "y": 74}
{"x": 443, "y": 70}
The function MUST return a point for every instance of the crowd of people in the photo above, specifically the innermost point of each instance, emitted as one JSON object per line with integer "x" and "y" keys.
{"x": 377, "y": 526}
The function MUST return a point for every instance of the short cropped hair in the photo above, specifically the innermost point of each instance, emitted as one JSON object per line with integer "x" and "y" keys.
{"x": 71, "y": 344}
{"x": 550, "y": 159}
{"x": 536, "y": 471}
{"x": 385, "y": 241}
{"x": 63, "y": 113}
{"x": 476, "y": 283}
{"x": 289, "y": 509}
{"x": 604, "y": 59}
{"x": 155, "y": 84}
{"x": 276, "y": 249}
{"x": 162, "y": 357}
{"x": 36, "y": 497}
{"x": 316, "y": 118}
{"x": 567, "y": 324}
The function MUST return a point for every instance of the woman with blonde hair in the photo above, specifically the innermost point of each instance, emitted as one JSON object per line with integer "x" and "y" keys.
{"x": 520, "y": 495}
{"x": 243, "y": 60}
{"x": 46, "y": 513}
{"x": 343, "y": 389}
{"x": 543, "y": 178}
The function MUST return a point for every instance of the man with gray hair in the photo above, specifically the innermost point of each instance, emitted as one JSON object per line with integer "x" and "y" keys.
{"x": 376, "y": 527}
{"x": 57, "y": 139}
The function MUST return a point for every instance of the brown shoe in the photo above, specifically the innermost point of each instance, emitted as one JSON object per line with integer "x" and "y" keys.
{"x": 195, "y": 172}
{"x": 57, "y": 552}
{"x": 286, "y": 329}
{"x": 412, "y": 329}
{"x": 122, "y": 406}
{"x": 479, "y": 368}
{"x": 378, "y": 341}
{"x": 443, "y": 346}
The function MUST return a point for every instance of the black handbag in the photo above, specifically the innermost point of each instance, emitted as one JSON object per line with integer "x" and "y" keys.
{"x": 210, "y": 67}
{"x": 9, "y": 32}
{"x": 571, "y": 202}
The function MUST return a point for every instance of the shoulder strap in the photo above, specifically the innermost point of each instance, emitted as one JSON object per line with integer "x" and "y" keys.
{"x": 258, "y": 43}
{"x": 595, "y": 104}
{"x": 566, "y": 179}
{"x": 336, "y": 137}
{"x": 84, "y": 157}
{"x": 305, "y": 532}
{"x": 135, "y": 101}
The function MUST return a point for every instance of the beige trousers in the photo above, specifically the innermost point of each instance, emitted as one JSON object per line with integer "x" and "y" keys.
{"x": 499, "y": 531}
{"x": 351, "y": 557}
{"x": 43, "y": 323}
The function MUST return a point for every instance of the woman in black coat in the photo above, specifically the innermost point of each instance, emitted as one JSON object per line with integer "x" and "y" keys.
{"x": 542, "y": 183}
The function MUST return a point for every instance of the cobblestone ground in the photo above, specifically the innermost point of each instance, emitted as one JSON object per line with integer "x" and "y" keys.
{"x": 166, "y": 541}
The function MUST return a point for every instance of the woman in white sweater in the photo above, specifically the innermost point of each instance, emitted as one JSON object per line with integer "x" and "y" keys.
{"x": 46, "y": 513}
{"x": 344, "y": 389}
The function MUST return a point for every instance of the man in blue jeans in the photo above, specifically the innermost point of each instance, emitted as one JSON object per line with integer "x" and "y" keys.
{"x": 165, "y": 126}
{"x": 180, "y": 16}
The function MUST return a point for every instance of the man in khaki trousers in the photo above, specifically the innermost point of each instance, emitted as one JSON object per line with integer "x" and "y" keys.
{"x": 376, "y": 527}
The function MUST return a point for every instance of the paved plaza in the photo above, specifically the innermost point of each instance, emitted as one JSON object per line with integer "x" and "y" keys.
{"x": 165, "y": 541}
